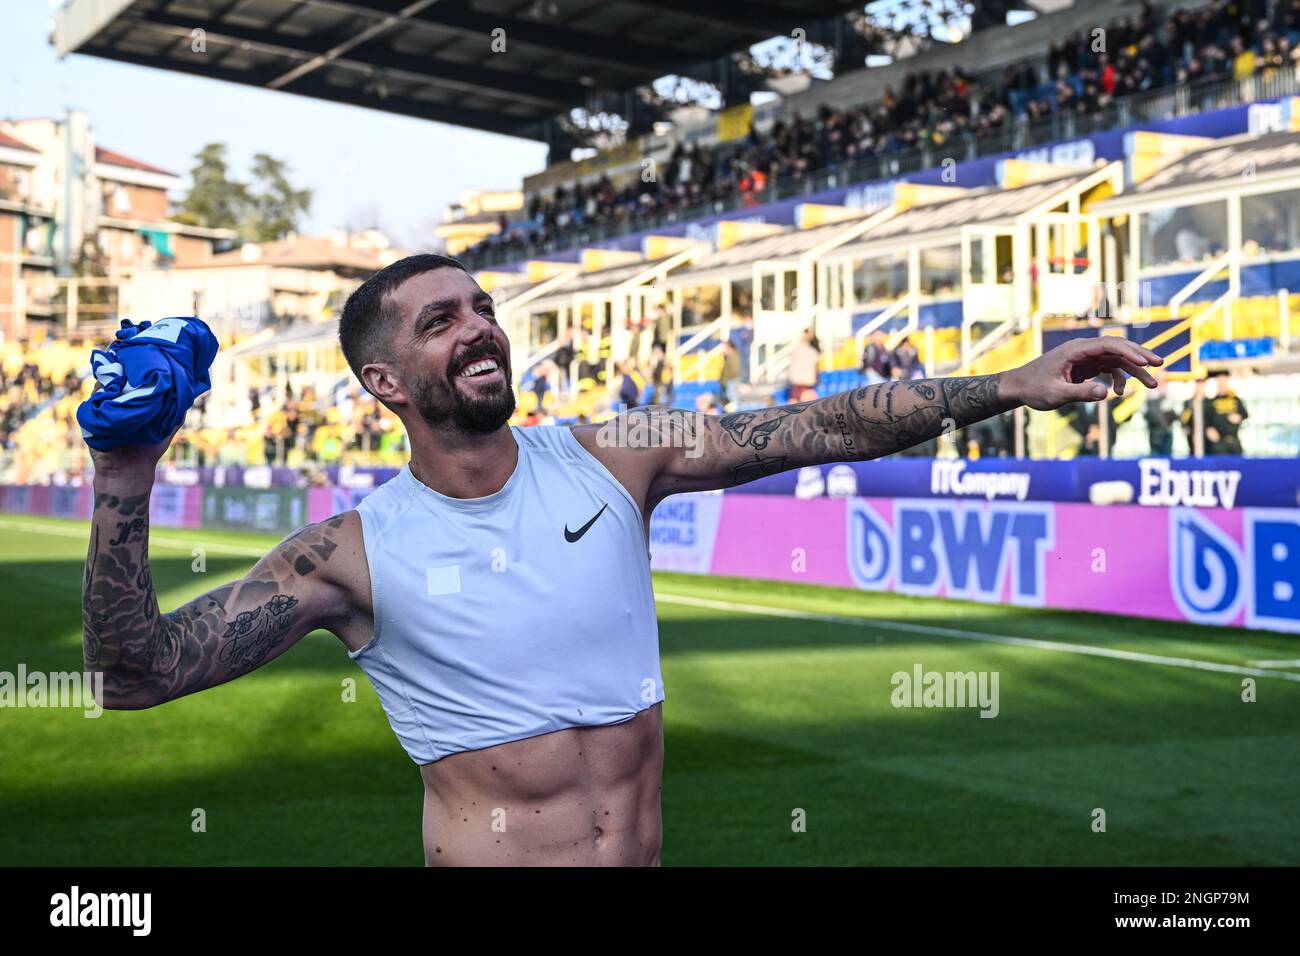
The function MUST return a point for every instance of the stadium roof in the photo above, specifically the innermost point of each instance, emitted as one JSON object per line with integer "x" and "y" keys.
{"x": 1244, "y": 159}
{"x": 789, "y": 244}
{"x": 433, "y": 59}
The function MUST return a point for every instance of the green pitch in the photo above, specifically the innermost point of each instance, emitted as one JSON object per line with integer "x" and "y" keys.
{"x": 767, "y": 715}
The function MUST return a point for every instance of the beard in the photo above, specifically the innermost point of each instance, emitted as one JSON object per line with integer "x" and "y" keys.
{"x": 441, "y": 402}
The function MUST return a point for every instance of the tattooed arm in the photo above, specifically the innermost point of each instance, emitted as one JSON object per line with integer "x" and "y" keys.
{"x": 148, "y": 657}
{"x": 676, "y": 451}
{"x": 866, "y": 423}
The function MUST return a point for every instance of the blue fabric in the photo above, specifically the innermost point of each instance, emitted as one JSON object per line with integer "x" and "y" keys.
{"x": 151, "y": 374}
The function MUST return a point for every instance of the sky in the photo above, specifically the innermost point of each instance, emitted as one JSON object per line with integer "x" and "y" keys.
{"x": 364, "y": 167}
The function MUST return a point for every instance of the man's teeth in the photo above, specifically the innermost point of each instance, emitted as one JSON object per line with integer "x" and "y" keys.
{"x": 482, "y": 365}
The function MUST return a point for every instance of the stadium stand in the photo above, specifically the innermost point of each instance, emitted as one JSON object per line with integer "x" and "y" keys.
{"x": 1170, "y": 245}
{"x": 941, "y": 109}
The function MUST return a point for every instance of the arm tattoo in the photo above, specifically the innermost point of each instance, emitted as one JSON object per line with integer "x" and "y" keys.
{"x": 860, "y": 425}
{"x": 148, "y": 657}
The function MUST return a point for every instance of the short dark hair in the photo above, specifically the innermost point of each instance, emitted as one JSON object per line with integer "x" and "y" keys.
{"x": 369, "y": 317}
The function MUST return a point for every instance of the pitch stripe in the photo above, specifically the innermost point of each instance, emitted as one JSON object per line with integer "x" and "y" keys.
{"x": 159, "y": 539}
{"x": 962, "y": 635}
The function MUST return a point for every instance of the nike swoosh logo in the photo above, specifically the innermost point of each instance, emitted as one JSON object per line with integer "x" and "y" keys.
{"x": 572, "y": 536}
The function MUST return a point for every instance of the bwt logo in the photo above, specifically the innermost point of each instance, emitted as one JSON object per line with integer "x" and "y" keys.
{"x": 952, "y": 547}
{"x": 1169, "y": 487}
{"x": 948, "y": 476}
{"x": 1212, "y": 577}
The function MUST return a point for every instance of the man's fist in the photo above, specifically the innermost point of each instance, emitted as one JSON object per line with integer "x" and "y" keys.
{"x": 130, "y": 460}
{"x": 1065, "y": 374}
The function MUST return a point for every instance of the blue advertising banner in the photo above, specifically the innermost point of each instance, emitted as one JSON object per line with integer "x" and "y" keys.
{"x": 1158, "y": 482}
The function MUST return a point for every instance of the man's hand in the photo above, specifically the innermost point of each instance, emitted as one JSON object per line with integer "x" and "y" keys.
{"x": 1066, "y": 373}
{"x": 127, "y": 461}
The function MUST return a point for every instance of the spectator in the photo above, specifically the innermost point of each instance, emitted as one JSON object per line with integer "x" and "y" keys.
{"x": 1224, "y": 415}
{"x": 663, "y": 325}
{"x": 907, "y": 361}
{"x": 805, "y": 361}
{"x": 1160, "y": 417}
{"x": 541, "y": 384}
{"x": 1188, "y": 418}
{"x": 564, "y": 356}
{"x": 661, "y": 376}
{"x": 631, "y": 384}
{"x": 876, "y": 360}
{"x": 743, "y": 336}
{"x": 730, "y": 375}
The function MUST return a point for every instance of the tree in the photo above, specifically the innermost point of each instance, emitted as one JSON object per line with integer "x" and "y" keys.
{"x": 269, "y": 208}
{"x": 275, "y": 206}
{"x": 215, "y": 199}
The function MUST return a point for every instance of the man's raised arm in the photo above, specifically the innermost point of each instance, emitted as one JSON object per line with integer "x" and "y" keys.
{"x": 873, "y": 421}
{"x": 148, "y": 657}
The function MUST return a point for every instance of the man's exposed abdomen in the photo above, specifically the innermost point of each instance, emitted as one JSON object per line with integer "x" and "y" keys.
{"x": 586, "y": 796}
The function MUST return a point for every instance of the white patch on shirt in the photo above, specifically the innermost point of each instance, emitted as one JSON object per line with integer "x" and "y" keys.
{"x": 444, "y": 580}
{"x": 169, "y": 329}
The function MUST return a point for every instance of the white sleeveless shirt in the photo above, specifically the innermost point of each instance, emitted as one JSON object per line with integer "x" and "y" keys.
{"x": 520, "y": 613}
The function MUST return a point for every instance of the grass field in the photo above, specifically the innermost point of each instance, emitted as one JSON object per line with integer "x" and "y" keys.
{"x": 778, "y": 697}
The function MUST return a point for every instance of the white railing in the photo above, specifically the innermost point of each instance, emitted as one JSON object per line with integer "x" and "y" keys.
{"x": 878, "y": 320}
{"x": 1198, "y": 282}
{"x": 771, "y": 371}
{"x": 704, "y": 331}
{"x": 970, "y": 352}
{"x": 701, "y": 358}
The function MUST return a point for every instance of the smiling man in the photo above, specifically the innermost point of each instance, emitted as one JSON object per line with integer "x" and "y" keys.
{"x": 497, "y": 592}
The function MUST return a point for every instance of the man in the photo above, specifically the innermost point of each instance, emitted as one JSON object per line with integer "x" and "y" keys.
{"x": 805, "y": 371}
{"x": 630, "y": 384}
{"x": 1187, "y": 418}
{"x": 730, "y": 374}
{"x": 663, "y": 325}
{"x": 906, "y": 362}
{"x": 742, "y": 334}
{"x": 497, "y": 592}
{"x": 876, "y": 360}
{"x": 564, "y": 356}
{"x": 542, "y": 384}
{"x": 1160, "y": 417}
{"x": 1224, "y": 416}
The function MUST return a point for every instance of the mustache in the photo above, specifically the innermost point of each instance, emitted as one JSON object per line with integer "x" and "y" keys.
{"x": 476, "y": 352}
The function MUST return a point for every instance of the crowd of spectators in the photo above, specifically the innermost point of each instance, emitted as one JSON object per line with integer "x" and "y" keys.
{"x": 301, "y": 429}
{"x": 25, "y": 392}
{"x": 1082, "y": 74}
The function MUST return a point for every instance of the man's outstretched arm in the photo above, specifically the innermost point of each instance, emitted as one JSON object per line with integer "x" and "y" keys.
{"x": 148, "y": 657}
{"x": 858, "y": 425}
{"x": 871, "y": 422}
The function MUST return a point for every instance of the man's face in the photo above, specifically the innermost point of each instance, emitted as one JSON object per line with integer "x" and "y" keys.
{"x": 454, "y": 358}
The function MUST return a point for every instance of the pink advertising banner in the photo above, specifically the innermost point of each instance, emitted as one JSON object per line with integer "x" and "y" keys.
{"x": 1237, "y": 567}
{"x": 170, "y": 506}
